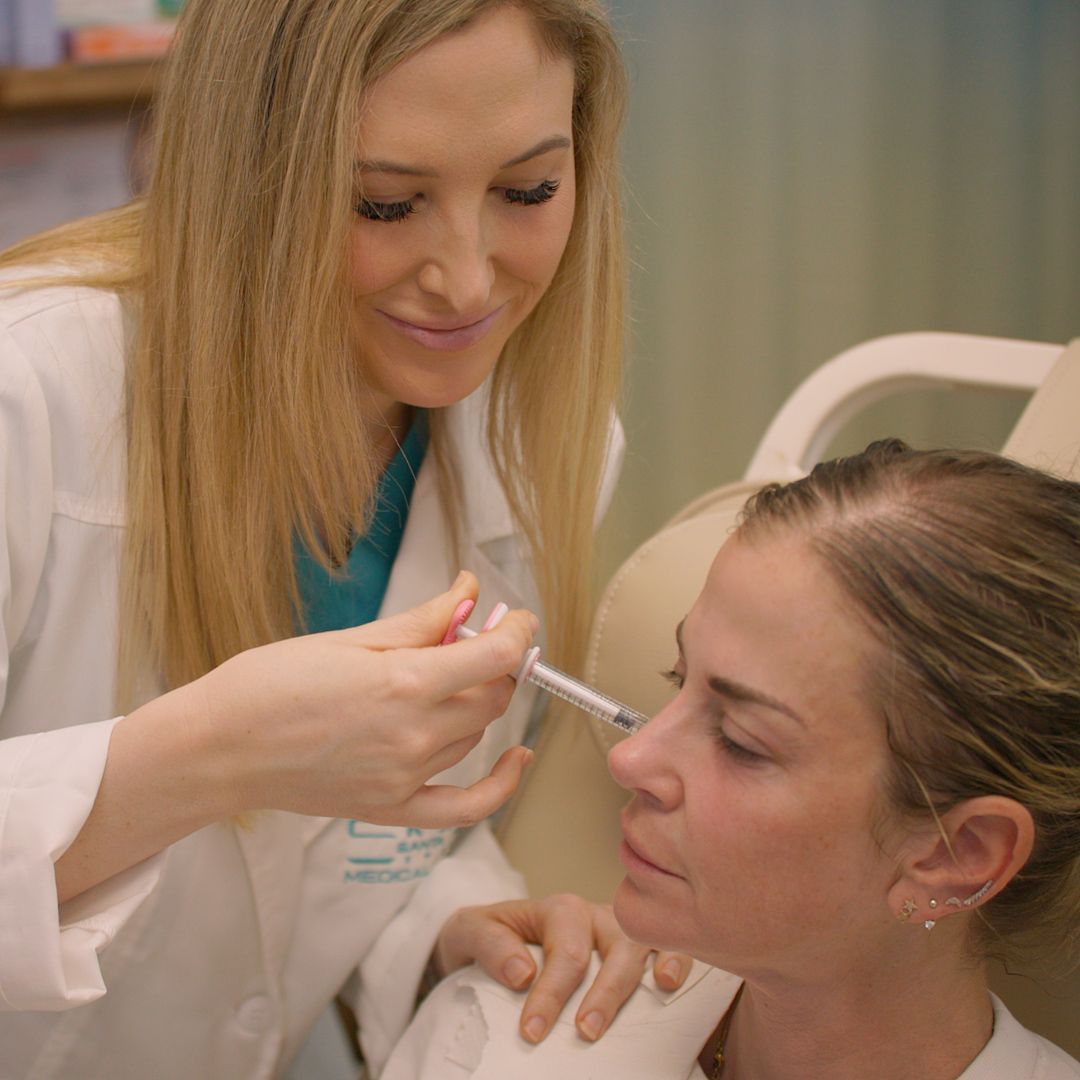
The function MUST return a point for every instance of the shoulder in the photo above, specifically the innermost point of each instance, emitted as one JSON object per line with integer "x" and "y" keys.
{"x": 1019, "y": 1054}
{"x": 62, "y": 358}
{"x": 57, "y": 312}
{"x": 469, "y": 1028}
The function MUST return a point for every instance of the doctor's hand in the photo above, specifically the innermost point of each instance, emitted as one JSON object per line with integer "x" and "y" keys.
{"x": 569, "y": 928}
{"x": 347, "y": 724}
{"x": 353, "y": 723}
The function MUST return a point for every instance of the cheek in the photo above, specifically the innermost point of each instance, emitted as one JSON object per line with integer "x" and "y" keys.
{"x": 534, "y": 242}
{"x": 377, "y": 259}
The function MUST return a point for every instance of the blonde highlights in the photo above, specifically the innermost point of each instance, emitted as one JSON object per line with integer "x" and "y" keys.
{"x": 245, "y": 425}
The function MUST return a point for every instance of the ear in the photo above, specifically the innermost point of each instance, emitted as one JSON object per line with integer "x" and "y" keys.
{"x": 986, "y": 839}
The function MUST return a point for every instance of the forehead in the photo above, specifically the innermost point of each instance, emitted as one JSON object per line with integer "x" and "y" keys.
{"x": 480, "y": 89}
{"x": 771, "y": 616}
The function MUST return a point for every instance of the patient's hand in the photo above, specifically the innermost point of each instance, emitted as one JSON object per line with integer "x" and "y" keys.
{"x": 569, "y": 928}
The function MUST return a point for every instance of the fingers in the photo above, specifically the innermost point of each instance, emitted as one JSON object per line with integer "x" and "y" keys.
{"x": 443, "y": 806}
{"x": 568, "y": 945}
{"x": 619, "y": 976}
{"x": 498, "y": 949}
{"x": 419, "y": 626}
{"x": 670, "y": 969}
{"x": 496, "y": 653}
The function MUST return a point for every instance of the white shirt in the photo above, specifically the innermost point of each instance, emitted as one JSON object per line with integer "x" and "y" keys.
{"x": 467, "y": 1029}
{"x": 214, "y": 958}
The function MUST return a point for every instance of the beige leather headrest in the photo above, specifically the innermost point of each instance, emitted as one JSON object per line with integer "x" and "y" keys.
{"x": 633, "y": 633}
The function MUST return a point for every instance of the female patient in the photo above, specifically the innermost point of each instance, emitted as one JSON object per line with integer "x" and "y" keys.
{"x": 868, "y": 782}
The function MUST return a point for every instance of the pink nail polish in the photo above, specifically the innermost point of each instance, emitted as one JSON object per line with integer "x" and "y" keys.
{"x": 498, "y": 612}
{"x": 461, "y": 613}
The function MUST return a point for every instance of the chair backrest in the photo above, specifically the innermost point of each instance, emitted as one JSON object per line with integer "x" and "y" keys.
{"x": 562, "y": 830}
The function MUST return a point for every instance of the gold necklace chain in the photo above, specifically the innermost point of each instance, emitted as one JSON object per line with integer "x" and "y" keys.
{"x": 722, "y": 1034}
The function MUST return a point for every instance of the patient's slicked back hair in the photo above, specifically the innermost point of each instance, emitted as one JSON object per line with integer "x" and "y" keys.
{"x": 965, "y": 566}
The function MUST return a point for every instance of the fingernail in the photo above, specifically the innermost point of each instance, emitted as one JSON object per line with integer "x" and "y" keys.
{"x": 526, "y": 757}
{"x": 517, "y": 971}
{"x": 496, "y": 616}
{"x": 592, "y": 1025}
{"x": 671, "y": 971}
{"x": 461, "y": 613}
{"x": 535, "y": 1028}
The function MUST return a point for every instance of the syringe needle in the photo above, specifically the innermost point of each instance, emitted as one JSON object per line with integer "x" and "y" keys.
{"x": 576, "y": 692}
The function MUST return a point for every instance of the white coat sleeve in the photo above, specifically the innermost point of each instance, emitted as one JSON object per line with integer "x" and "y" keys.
{"x": 48, "y": 780}
{"x": 477, "y": 873}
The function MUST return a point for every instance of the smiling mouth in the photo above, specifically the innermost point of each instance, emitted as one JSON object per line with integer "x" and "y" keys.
{"x": 445, "y": 339}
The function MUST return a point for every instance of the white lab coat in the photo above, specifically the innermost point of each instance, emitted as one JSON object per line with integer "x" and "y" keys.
{"x": 468, "y": 1030}
{"x": 213, "y": 959}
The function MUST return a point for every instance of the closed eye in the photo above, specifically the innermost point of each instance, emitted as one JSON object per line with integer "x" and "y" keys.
{"x": 390, "y": 211}
{"x": 543, "y": 192}
{"x": 738, "y": 751}
{"x": 730, "y": 747}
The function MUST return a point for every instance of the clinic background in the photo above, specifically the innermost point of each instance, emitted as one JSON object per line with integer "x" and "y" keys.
{"x": 801, "y": 176}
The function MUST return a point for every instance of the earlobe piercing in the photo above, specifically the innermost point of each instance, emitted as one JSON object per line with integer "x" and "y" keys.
{"x": 906, "y": 910}
{"x": 953, "y": 901}
{"x": 932, "y": 904}
{"x": 929, "y": 924}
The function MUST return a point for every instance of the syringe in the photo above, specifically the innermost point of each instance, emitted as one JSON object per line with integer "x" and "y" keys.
{"x": 568, "y": 688}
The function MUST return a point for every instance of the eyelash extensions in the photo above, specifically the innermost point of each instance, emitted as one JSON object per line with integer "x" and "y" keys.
{"x": 399, "y": 211}
{"x": 543, "y": 191}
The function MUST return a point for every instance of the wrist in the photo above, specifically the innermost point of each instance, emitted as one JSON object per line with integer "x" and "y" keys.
{"x": 181, "y": 741}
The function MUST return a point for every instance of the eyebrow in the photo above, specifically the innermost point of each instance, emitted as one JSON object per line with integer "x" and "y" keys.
{"x": 736, "y": 691}
{"x": 545, "y": 146}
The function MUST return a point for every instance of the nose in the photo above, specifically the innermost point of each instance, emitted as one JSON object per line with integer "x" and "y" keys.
{"x": 647, "y": 762}
{"x": 459, "y": 267}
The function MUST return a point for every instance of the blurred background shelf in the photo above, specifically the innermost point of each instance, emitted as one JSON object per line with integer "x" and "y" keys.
{"x": 81, "y": 86}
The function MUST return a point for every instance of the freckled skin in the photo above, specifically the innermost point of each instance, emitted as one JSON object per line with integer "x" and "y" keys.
{"x": 771, "y": 862}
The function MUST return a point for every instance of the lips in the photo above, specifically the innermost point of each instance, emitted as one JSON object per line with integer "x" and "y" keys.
{"x": 634, "y": 858}
{"x": 444, "y": 338}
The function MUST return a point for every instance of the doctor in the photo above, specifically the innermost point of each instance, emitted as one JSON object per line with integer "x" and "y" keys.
{"x": 360, "y": 332}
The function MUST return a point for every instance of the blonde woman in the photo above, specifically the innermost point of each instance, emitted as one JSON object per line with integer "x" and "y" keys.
{"x": 868, "y": 781}
{"x": 363, "y": 329}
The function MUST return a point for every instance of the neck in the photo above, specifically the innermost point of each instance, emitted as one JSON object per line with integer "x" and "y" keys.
{"x": 390, "y": 428}
{"x": 889, "y": 1022}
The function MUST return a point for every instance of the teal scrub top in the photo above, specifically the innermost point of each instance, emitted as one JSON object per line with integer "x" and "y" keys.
{"x": 353, "y": 595}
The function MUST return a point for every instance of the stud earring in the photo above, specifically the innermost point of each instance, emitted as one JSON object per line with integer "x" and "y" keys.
{"x": 953, "y": 901}
{"x": 976, "y": 896}
{"x": 906, "y": 910}
{"x": 932, "y": 904}
{"x": 929, "y": 924}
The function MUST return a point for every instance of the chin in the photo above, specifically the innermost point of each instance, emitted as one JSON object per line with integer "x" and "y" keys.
{"x": 642, "y": 920}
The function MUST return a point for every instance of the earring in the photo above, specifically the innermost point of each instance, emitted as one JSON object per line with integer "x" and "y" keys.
{"x": 953, "y": 901}
{"x": 976, "y": 896}
{"x": 906, "y": 910}
{"x": 929, "y": 924}
{"x": 932, "y": 904}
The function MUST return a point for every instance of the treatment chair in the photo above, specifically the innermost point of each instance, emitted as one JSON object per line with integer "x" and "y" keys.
{"x": 562, "y": 829}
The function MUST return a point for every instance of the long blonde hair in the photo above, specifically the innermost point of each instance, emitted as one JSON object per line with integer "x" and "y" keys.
{"x": 242, "y": 426}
